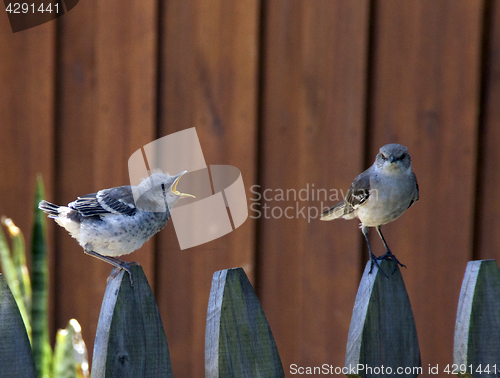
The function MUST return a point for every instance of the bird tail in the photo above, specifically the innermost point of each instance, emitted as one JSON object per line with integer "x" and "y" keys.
{"x": 49, "y": 208}
{"x": 334, "y": 212}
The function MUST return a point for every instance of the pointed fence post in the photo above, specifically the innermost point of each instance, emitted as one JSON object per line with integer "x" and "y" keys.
{"x": 382, "y": 337}
{"x": 238, "y": 339}
{"x": 16, "y": 359}
{"x": 130, "y": 339}
{"x": 476, "y": 350}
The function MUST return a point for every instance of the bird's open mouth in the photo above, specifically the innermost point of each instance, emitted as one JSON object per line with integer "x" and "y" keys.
{"x": 174, "y": 187}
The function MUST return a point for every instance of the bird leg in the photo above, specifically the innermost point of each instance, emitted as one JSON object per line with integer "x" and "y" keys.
{"x": 373, "y": 259}
{"x": 388, "y": 254}
{"x": 120, "y": 264}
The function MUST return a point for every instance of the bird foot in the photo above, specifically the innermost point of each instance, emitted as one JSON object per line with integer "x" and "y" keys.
{"x": 123, "y": 265}
{"x": 373, "y": 261}
{"x": 389, "y": 256}
{"x": 117, "y": 263}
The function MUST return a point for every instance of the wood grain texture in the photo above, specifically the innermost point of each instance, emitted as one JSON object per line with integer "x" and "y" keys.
{"x": 477, "y": 327}
{"x": 130, "y": 339}
{"x": 15, "y": 349}
{"x": 425, "y": 95}
{"x": 26, "y": 108}
{"x": 106, "y": 111}
{"x": 312, "y": 139}
{"x": 238, "y": 340}
{"x": 382, "y": 334}
{"x": 209, "y": 81}
{"x": 488, "y": 207}
{"x": 27, "y": 90}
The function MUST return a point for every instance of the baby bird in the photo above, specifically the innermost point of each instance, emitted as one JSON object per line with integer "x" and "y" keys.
{"x": 118, "y": 221}
{"x": 380, "y": 195}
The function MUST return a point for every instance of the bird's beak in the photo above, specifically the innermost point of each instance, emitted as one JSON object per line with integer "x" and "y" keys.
{"x": 174, "y": 186}
{"x": 391, "y": 159}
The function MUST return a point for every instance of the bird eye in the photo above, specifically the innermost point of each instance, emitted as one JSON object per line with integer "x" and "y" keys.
{"x": 403, "y": 156}
{"x": 383, "y": 156}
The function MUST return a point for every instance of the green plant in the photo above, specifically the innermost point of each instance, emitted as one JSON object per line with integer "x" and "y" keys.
{"x": 69, "y": 359}
{"x": 15, "y": 270}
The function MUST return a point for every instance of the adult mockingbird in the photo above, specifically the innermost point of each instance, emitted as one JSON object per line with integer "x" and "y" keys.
{"x": 112, "y": 223}
{"x": 380, "y": 195}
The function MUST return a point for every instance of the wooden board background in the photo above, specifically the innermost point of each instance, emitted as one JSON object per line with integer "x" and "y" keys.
{"x": 297, "y": 95}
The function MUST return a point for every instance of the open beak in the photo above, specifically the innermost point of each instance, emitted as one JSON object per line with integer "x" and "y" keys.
{"x": 174, "y": 186}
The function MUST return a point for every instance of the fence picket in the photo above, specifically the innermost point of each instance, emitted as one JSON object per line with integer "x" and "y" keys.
{"x": 130, "y": 339}
{"x": 382, "y": 336}
{"x": 477, "y": 328}
{"x": 238, "y": 340}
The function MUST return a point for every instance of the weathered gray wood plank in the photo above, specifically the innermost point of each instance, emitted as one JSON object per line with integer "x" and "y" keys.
{"x": 130, "y": 339}
{"x": 15, "y": 350}
{"x": 477, "y": 327}
{"x": 382, "y": 335}
{"x": 238, "y": 340}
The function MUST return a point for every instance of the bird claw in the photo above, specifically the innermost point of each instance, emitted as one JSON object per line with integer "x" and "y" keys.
{"x": 117, "y": 263}
{"x": 126, "y": 266}
{"x": 374, "y": 261}
{"x": 389, "y": 256}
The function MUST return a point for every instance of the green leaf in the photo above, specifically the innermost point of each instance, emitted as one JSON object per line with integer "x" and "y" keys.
{"x": 42, "y": 351}
{"x": 10, "y": 271}
{"x": 19, "y": 257}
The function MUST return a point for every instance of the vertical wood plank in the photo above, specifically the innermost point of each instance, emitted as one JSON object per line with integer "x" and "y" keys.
{"x": 477, "y": 328}
{"x": 312, "y": 138}
{"x": 27, "y": 90}
{"x": 130, "y": 339}
{"x": 487, "y": 238}
{"x": 208, "y": 81}
{"x": 425, "y": 96}
{"x": 382, "y": 335}
{"x": 107, "y": 94}
{"x": 238, "y": 339}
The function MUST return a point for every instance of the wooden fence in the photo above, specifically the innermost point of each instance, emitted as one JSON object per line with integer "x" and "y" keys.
{"x": 293, "y": 93}
{"x": 382, "y": 342}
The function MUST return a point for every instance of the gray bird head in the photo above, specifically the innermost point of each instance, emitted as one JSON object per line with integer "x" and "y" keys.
{"x": 393, "y": 157}
{"x": 157, "y": 191}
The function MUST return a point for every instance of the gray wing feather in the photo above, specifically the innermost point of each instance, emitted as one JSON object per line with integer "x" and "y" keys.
{"x": 87, "y": 206}
{"x": 107, "y": 201}
{"x": 359, "y": 191}
{"x": 335, "y": 212}
{"x": 415, "y": 198}
{"x": 118, "y": 200}
{"x": 357, "y": 194}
